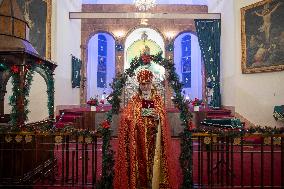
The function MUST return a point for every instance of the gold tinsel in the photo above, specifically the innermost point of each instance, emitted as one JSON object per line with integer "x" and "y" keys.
{"x": 8, "y": 138}
{"x": 237, "y": 141}
{"x": 207, "y": 140}
{"x": 19, "y": 138}
{"x": 58, "y": 139}
{"x": 28, "y": 138}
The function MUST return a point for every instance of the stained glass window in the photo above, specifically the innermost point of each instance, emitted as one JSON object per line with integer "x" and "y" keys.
{"x": 102, "y": 61}
{"x": 186, "y": 61}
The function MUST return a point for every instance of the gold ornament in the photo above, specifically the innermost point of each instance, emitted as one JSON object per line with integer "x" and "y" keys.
{"x": 8, "y": 138}
{"x": 28, "y": 138}
{"x": 207, "y": 140}
{"x": 237, "y": 141}
{"x": 19, "y": 138}
{"x": 58, "y": 139}
{"x": 267, "y": 140}
{"x": 88, "y": 140}
{"x": 277, "y": 140}
{"x": 81, "y": 139}
{"x": 214, "y": 139}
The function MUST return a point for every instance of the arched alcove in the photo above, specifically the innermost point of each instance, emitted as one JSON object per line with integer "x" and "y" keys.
{"x": 100, "y": 64}
{"x": 139, "y": 41}
{"x": 142, "y": 37}
{"x": 38, "y": 99}
{"x": 188, "y": 64}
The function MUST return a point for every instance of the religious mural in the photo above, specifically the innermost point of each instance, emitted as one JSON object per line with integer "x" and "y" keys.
{"x": 263, "y": 36}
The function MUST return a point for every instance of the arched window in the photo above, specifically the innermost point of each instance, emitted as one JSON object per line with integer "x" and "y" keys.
{"x": 102, "y": 61}
{"x": 100, "y": 65}
{"x": 186, "y": 61}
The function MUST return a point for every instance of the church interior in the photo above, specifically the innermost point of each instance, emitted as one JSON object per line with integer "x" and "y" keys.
{"x": 70, "y": 68}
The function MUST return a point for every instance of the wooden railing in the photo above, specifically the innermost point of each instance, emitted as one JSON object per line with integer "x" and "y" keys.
{"x": 49, "y": 159}
{"x": 75, "y": 160}
{"x": 238, "y": 162}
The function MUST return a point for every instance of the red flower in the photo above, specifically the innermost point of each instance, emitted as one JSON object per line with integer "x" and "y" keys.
{"x": 93, "y": 102}
{"x": 190, "y": 125}
{"x": 102, "y": 101}
{"x": 15, "y": 69}
{"x": 105, "y": 124}
{"x": 196, "y": 102}
{"x": 146, "y": 59}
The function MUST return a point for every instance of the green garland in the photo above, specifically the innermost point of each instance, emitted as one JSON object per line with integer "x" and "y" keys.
{"x": 50, "y": 89}
{"x": 114, "y": 99}
{"x": 16, "y": 91}
{"x": 239, "y": 132}
{"x": 27, "y": 87}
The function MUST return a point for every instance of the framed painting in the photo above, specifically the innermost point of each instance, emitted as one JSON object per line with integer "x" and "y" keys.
{"x": 262, "y": 29}
{"x": 37, "y": 13}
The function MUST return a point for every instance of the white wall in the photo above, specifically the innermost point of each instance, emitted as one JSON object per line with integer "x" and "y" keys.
{"x": 38, "y": 99}
{"x": 7, "y": 107}
{"x": 66, "y": 40}
{"x": 253, "y": 95}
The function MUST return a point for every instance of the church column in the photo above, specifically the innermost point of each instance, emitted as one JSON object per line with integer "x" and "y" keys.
{"x": 83, "y": 86}
{"x": 119, "y": 55}
{"x": 169, "y": 53}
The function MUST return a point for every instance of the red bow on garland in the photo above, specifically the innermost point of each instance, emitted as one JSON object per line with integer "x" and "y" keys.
{"x": 105, "y": 124}
{"x": 15, "y": 69}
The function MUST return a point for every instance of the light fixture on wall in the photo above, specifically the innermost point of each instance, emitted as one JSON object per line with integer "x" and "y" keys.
{"x": 144, "y": 5}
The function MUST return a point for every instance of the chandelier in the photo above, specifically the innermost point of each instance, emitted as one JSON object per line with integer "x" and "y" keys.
{"x": 144, "y": 5}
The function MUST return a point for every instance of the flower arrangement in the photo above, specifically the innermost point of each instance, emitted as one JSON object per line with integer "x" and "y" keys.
{"x": 93, "y": 101}
{"x": 197, "y": 102}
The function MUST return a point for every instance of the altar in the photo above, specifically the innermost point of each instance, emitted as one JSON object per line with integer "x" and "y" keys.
{"x": 88, "y": 119}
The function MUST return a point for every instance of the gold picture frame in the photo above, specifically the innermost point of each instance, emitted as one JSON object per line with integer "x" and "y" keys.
{"x": 48, "y": 29}
{"x": 262, "y": 37}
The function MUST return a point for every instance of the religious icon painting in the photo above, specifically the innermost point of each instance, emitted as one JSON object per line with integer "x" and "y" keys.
{"x": 263, "y": 36}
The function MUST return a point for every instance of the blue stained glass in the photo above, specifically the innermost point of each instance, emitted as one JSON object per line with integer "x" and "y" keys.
{"x": 186, "y": 60}
{"x": 186, "y": 80}
{"x": 186, "y": 46}
{"x": 102, "y": 45}
{"x": 102, "y": 61}
{"x": 101, "y": 79}
{"x": 102, "y": 37}
{"x": 101, "y": 64}
{"x": 186, "y": 38}
{"x": 186, "y": 64}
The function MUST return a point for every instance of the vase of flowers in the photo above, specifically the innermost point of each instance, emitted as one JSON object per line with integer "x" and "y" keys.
{"x": 196, "y": 103}
{"x": 93, "y": 102}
